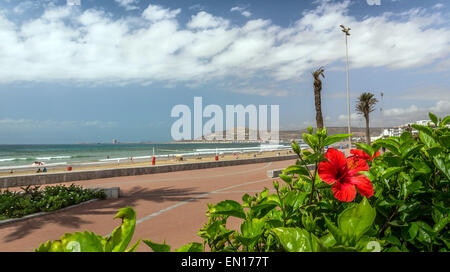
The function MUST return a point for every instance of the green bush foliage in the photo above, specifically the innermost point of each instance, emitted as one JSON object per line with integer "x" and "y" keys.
{"x": 50, "y": 198}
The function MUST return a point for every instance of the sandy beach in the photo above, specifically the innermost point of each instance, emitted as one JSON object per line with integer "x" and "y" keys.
{"x": 142, "y": 163}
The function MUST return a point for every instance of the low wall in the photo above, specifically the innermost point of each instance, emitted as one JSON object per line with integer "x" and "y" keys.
{"x": 48, "y": 178}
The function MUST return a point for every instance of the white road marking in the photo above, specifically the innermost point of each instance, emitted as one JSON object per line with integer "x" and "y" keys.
{"x": 197, "y": 197}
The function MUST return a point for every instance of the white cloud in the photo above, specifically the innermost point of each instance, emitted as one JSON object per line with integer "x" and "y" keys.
{"x": 128, "y": 4}
{"x": 205, "y": 20}
{"x": 261, "y": 91}
{"x": 94, "y": 47}
{"x": 399, "y": 116}
{"x": 353, "y": 117}
{"x": 24, "y": 6}
{"x": 438, "y": 6}
{"x": 156, "y": 13}
{"x": 241, "y": 10}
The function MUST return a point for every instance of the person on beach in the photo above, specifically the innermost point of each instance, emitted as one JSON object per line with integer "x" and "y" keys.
{"x": 45, "y": 170}
{"x": 38, "y": 171}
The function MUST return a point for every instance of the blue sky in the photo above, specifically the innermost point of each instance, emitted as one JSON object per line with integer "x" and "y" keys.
{"x": 115, "y": 68}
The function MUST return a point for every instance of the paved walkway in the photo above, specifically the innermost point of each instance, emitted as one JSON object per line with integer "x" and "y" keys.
{"x": 169, "y": 206}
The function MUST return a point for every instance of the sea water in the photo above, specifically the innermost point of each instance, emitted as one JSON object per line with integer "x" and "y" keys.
{"x": 20, "y": 156}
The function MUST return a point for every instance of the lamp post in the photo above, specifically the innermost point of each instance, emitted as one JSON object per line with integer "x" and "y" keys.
{"x": 382, "y": 115}
{"x": 347, "y": 33}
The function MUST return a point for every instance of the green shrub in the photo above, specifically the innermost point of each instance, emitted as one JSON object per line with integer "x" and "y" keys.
{"x": 50, "y": 198}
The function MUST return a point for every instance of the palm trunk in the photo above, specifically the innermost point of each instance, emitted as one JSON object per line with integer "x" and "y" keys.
{"x": 318, "y": 104}
{"x": 367, "y": 130}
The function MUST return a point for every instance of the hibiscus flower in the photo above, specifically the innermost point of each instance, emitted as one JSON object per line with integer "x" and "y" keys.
{"x": 363, "y": 155}
{"x": 343, "y": 173}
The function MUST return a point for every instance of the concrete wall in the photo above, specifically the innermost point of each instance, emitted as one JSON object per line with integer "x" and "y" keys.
{"x": 48, "y": 178}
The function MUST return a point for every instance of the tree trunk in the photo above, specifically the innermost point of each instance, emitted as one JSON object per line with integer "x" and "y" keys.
{"x": 367, "y": 130}
{"x": 318, "y": 104}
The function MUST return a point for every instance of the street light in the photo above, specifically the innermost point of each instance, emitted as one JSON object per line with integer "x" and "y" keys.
{"x": 382, "y": 115}
{"x": 347, "y": 33}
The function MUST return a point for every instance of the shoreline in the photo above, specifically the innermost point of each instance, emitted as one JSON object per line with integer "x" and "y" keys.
{"x": 90, "y": 174}
{"x": 62, "y": 161}
{"x": 147, "y": 162}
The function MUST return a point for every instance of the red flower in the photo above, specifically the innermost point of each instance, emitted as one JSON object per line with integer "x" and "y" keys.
{"x": 363, "y": 155}
{"x": 343, "y": 172}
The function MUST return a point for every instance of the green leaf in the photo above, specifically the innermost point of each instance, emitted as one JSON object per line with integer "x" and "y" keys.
{"x": 122, "y": 235}
{"x": 328, "y": 240}
{"x": 297, "y": 240}
{"x": 286, "y": 178}
{"x": 408, "y": 150}
{"x": 441, "y": 165}
{"x": 157, "y": 247}
{"x": 274, "y": 199}
{"x": 311, "y": 140}
{"x": 252, "y": 228}
{"x": 393, "y": 240}
{"x": 424, "y": 129}
{"x": 427, "y": 139}
{"x": 441, "y": 224}
{"x": 296, "y": 147}
{"x": 424, "y": 233}
{"x": 82, "y": 242}
{"x": 413, "y": 230}
{"x": 192, "y": 247}
{"x": 446, "y": 120}
{"x": 414, "y": 186}
{"x": 296, "y": 169}
{"x": 421, "y": 167}
{"x": 405, "y": 137}
{"x": 50, "y": 246}
{"x": 228, "y": 208}
{"x": 293, "y": 199}
{"x": 335, "y": 138}
{"x": 357, "y": 220}
{"x": 366, "y": 148}
{"x": 433, "y": 118}
{"x": 445, "y": 141}
{"x": 134, "y": 246}
{"x": 335, "y": 231}
{"x": 390, "y": 171}
{"x": 389, "y": 144}
{"x": 260, "y": 210}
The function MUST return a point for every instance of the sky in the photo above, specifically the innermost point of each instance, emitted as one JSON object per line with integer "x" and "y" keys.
{"x": 114, "y": 69}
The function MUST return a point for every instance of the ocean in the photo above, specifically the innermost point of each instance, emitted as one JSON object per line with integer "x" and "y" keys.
{"x": 22, "y": 156}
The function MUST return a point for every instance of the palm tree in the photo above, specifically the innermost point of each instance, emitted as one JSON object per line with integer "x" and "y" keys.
{"x": 317, "y": 97}
{"x": 366, "y": 105}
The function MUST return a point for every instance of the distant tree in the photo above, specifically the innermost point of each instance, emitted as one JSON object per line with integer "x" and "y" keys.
{"x": 366, "y": 105}
{"x": 317, "y": 96}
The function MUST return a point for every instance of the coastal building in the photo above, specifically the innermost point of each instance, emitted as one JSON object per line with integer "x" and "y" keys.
{"x": 398, "y": 130}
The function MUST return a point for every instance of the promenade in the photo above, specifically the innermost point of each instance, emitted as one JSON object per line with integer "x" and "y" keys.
{"x": 169, "y": 206}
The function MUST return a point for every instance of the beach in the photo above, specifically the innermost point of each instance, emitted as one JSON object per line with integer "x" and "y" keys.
{"x": 143, "y": 162}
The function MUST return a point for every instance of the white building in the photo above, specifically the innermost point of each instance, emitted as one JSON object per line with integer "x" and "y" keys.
{"x": 389, "y": 132}
{"x": 423, "y": 122}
